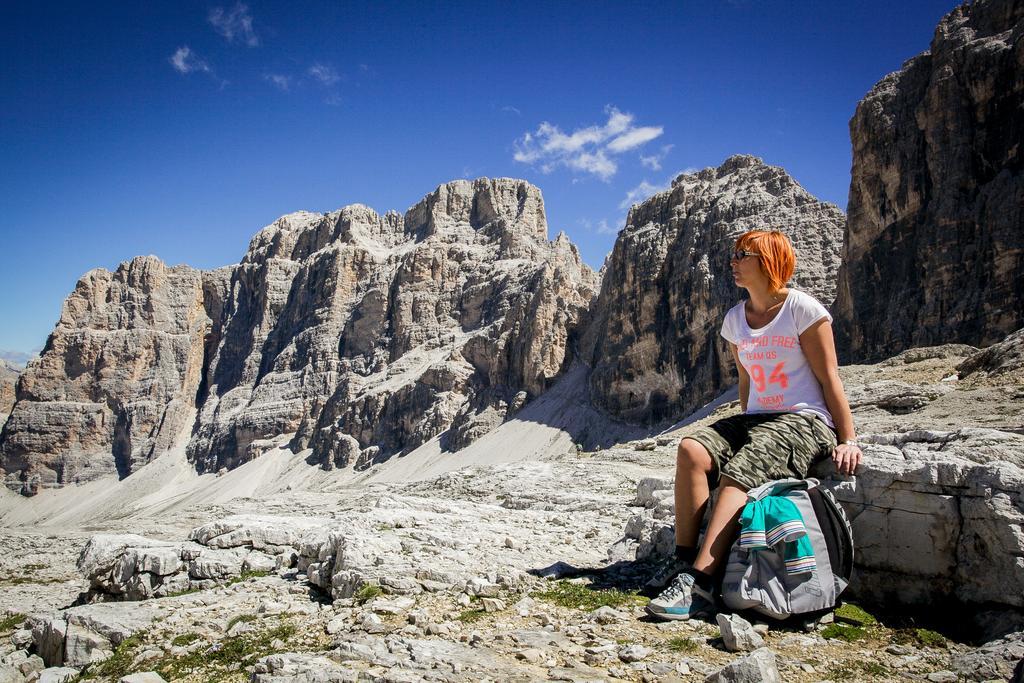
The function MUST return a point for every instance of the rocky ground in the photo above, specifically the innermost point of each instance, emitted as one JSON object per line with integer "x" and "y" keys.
{"x": 508, "y": 572}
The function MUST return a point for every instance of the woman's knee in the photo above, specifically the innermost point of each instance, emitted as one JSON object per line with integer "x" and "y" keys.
{"x": 692, "y": 455}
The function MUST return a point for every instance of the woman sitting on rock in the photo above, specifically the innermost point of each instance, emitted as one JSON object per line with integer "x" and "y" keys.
{"x": 794, "y": 409}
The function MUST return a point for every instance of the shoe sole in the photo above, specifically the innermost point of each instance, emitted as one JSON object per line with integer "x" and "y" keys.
{"x": 666, "y": 615}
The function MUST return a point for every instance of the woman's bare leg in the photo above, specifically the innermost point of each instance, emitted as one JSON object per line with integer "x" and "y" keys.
{"x": 693, "y": 463}
{"x": 722, "y": 527}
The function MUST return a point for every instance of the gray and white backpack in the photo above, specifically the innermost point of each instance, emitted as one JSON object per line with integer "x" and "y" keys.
{"x": 759, "y": 581}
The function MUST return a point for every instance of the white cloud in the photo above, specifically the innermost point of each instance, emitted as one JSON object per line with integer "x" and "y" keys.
{"x": 234, "y": 24}
{"x": 512, "y": 110}
{"x": 653, "y": 161}
{"x": 327, "y": 75}
{"x": 282, "y": 82}
{"x": 602, "y": 227}
{"x": 635, "y": 138}
{"x": 185, "y": 61}
{"x": 588, "y": 149}
{"x": 642, "y": 192}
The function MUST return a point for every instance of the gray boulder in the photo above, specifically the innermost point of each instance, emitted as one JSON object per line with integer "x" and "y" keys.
{"x": 757, "y": 667}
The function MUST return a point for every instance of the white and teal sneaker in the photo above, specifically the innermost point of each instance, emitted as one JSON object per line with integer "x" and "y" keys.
{"x": 681, "y": 600}
{"x": 667, "y": 569}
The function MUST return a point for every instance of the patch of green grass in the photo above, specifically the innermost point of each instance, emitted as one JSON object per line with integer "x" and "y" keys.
{"x": 239, "y": 618}
{"x": 33, "y": 567}
{"x": 21, "y": 580}
{"x": 470, "y": 616}
{"x": 245, "y": 576}
{"x": 582, "y": 596}
{"x": 224, "y": 658}
{"x": 919, "y": 636}
{"x": 185, "y": 639}
{"x": 856, "y": 671}
{"x": 681, "y": 644}
{"x": 119, "y": 663}
{"x": 368, "y": 592}
{"x": 852, "y": 614}
{"x": 9, "y": 622}
{"x": 839, "y": 632}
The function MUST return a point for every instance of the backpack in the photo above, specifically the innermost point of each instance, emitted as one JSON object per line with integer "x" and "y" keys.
{"x": 759, "y": 581}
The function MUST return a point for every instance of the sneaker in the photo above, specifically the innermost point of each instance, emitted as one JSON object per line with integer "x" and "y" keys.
{"x": 681, "y": 600}
{"x": 667, "y": 569}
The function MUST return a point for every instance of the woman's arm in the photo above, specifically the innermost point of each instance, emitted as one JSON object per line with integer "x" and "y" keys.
{"x": 744, "y": 377}
{"x": 819, "y": 348}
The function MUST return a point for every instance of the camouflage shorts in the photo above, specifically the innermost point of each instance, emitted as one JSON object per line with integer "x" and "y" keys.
{"x": 754, "y": 448}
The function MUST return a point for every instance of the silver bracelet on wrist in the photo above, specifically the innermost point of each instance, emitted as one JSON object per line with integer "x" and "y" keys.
{"x": 851, "y": 442}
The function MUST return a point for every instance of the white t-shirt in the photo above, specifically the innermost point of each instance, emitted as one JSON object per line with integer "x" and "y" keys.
{"x": 781, "y": 380}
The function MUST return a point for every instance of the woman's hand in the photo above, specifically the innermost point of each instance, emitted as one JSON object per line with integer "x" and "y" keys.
{"x": 846, "y": 458}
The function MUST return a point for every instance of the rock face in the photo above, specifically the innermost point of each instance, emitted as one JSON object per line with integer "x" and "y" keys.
{"x": 654, "y": 344}
{"x": 117, "y": 380}
{"x": 355, "y": 334}
{"x": 8, "y": 378}
{"x": 367, "y": 335}
{"x": 935, "y": 249}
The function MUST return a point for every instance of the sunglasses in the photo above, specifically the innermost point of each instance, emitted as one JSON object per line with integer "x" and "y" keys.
{"x": 740, "y": 254}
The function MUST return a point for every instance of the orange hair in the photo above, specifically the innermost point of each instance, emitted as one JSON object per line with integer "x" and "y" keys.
{"x": 777, "y": 258}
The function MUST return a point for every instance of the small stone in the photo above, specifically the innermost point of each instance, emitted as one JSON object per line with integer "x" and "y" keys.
{"x": 482, "y": 588}
{"x": 634, "y": 653}
{"x": 337, "y": 624}
{"x": 942, "y": 677}
{"x": 463, "y": 599}
{"x": 530, "y": 654}
{"x": 21, "y": 638}
{"x": 57, "y": 674}
{"x": 660, "y": 669}
{"x": 645, "y": 445}
{"x": 757, "y": 667}
{"x": 801, "y": 641}
{"x": 738, "y": 634}
{"x": 144, "y": 677}
{"x": 438, "y": 629}
{"x": 492, "y": 604}
{"x": 607, "y": 615}
{"x": 524, "y": 606}
{"x": 369, "y": 620}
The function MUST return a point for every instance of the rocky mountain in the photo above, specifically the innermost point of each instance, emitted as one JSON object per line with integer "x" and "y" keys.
{"x": 654, "y": 344}
{"x": 8, "y": 378}
{"x": 355, "y": 335}
{"x": 117, "y": 380}
{"x": 935, "y": 249}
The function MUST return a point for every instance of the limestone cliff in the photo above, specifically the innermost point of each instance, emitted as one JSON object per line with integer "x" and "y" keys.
{"x": 117, "y": 380}
{"x": 935, "y": 246}
{"x": 8, "y": 378}
{"x": 654, "y": 343}
{"x": 367, "y": 335}
{"x": 355, "y": 334}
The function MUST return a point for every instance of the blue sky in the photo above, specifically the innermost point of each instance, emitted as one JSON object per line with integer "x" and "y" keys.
{"x": 181, "y": 128}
